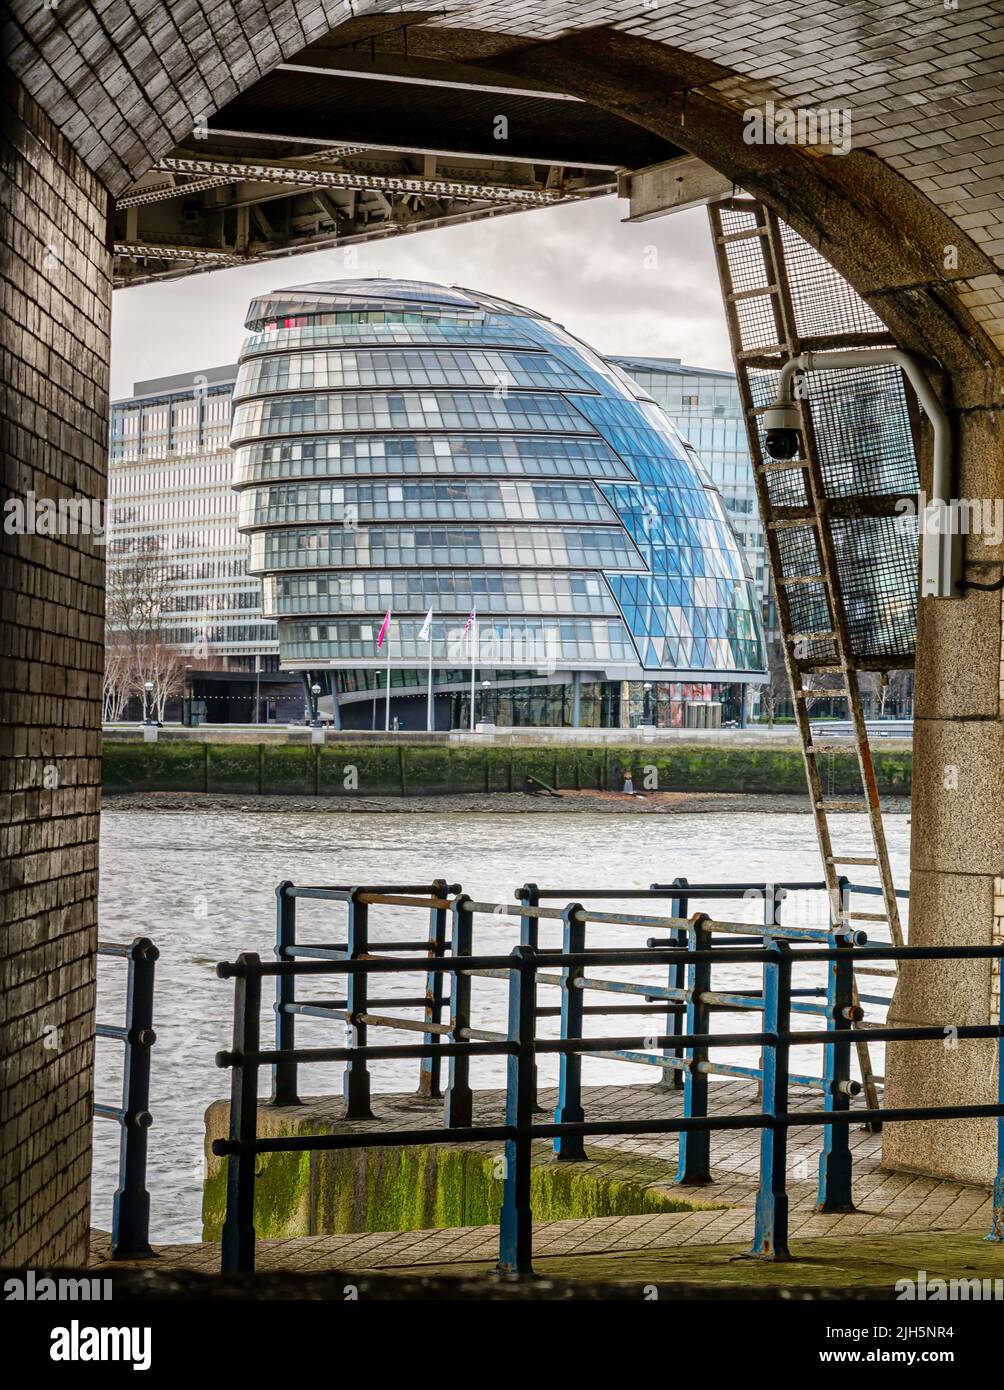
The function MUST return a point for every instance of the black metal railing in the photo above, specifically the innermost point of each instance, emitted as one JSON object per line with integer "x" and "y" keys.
{"x": 131, "y": 1206}
{"x": 779, "y": 952}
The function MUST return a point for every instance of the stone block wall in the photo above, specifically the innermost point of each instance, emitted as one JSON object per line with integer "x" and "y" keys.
{"x": 55, "y": 315}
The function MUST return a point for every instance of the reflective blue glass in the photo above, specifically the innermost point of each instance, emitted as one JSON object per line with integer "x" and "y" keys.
{"x": 413, "y": 447}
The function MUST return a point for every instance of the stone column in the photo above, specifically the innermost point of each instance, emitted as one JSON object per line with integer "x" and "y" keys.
{"x": 957, "y": 854}
{"x": 56, "y": 286}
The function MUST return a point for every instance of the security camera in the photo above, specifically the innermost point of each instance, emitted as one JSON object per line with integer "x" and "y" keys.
{"x": 781, "y": 426}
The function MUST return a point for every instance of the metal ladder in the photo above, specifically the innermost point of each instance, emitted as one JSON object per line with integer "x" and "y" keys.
{"x": 824, "y": 648}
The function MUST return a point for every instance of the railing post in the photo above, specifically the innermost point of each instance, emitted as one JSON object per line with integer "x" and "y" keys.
{"x": 770, "y": 1237}
{"x": 458, "y": 1106}
{"x": 570, "y": 1148}
{"x": 516, "y": 1216}
{"x": 430, "y": 1067}
{"x": 131, "y": 1207}
{"x": 238, "y": 1250}
{"x": 356, "y": 1081}
{"x": 694, "y": 1164}
{"x": 284, "y": 1074}
{"x": 672, "y": 1077}
{"x": 529, "y": 935}
{"x": 834, "y": 1193}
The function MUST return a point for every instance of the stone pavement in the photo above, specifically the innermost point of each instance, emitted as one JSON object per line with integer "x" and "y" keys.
{"x": 888, "y": 1204}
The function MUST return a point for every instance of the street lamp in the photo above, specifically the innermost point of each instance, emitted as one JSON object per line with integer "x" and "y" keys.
{"x": 315, "y": 691}
{"x": 147, "y": 693}
{"x": 646, "y": 716}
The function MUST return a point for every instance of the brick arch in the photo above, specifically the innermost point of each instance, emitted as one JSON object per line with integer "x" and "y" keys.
{"x": 102, "y": 90}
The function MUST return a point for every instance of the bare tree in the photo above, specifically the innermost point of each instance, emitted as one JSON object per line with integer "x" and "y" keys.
{"x": 117, "y": 685}
{"x": 162, "y": 667}
{"x": 776, "y": 689}
{"x": 139, "y": 594}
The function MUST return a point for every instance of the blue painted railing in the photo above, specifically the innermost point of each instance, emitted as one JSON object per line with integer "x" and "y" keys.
{"x": 779, "y": 953}
{"x": 131, "y": 1206}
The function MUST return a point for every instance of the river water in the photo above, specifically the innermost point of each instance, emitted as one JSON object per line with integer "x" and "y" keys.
{"x": 201, "y": 884}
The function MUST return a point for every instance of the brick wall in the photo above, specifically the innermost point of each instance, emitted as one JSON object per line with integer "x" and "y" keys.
{"x": 54, "y": 278}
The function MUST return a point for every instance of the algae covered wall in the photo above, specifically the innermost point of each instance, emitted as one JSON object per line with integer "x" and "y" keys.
{"x": 436, "y": 769}
{"x": 420, "y": 1187}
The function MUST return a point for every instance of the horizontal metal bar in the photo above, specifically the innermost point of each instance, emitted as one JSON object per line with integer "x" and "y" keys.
{"x": 315, "y": 952}
{"x": 300, "y": 1143}
{"x": 345, "y": 1054}
{"x": 411, "y": 1025}
{"x": 109, "y": 1112}
{"x": 232, "y": 969}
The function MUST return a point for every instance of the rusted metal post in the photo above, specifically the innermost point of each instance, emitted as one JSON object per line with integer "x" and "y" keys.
{"x": 238, "y": 1249}
{"x": 672, "y": 1077}
{"x": 570, "y": 1148}
{"x": 284, "y": 1073}
{"x": 516, "y": 1217}
{"x": 131, "y": 1206}
{"x": 694, "y": 1164}
{"x": 770, "y": 1235}
{"x": 430, "y": 1067}
{"x": 356, "y": 1080}
{"x": 529, "y": 931}
{"x": 459, "y": 1101}
{"x": 834, "y": 1192}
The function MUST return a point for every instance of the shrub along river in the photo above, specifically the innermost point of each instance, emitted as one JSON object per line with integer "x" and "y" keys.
{"x": 201, "y": 884}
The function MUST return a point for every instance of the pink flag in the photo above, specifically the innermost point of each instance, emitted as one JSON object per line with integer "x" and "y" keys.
{"x": 471, "y": 618}
{"x": 383, "y": 630}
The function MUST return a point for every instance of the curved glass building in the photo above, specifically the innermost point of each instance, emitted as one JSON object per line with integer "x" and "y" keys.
{"x": 408, "y": 447}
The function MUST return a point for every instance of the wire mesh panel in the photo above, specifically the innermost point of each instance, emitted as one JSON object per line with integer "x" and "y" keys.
{"x": 861, "y": 423}
{"x": 824, "y": 303}
{"x": 863, "y": 432}
{"x": 877, "y": 560}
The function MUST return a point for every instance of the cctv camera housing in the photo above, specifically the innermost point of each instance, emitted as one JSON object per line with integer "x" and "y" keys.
{"x": 781, "y": 426}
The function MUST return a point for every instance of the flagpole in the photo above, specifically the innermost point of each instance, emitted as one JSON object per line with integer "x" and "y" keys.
{"x": 474, "y": 648}
{"x": 386, "y": 717}
{"x": 430, "y": 718}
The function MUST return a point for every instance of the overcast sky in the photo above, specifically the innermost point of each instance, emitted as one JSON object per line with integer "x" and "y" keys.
{"x": 650, "y": 289}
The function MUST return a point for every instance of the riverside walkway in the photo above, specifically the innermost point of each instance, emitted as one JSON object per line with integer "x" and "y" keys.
{"x": 902, "y": 1223}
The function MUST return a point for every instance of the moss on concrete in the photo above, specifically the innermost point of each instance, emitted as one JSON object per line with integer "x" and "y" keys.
{"x": 864, "y": 1262}
{"x": 422, "y": 769}
{"x": 428, "y": 1186}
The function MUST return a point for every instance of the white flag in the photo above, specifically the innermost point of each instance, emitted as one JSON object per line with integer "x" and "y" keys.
{"x": 426, "y": 628}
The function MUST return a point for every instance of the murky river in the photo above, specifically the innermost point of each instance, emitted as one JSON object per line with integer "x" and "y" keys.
{"x": 201, "y": 884}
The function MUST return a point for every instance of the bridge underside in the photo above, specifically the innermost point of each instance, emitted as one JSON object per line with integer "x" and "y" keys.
{"x": 354, "y": 140}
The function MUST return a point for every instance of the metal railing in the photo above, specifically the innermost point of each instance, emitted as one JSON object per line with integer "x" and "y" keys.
{"x": 442, "y": 899}
{"x": 131, "y": 1206}
{"x": 780, "y": 951}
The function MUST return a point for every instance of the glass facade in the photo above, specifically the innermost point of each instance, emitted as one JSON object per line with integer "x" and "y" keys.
{"x": 170, "y": 491}
{"x": 406, "y": 446}
{"x": 704, "y": 405}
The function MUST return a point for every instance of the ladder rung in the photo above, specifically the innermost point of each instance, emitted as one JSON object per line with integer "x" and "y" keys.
{"x": 726, "y": 237}
{"x": 808, "y": 668}
{"x": 802, "y": 579}
{"x": 844, "y": 745}
{"x": 824, "y": 635}
{"x": 764, "y": 350}
{"x": 850, "y": 859}
{"x": 877, "y": 971}
{"x": 791, "y": 523}
{"x": 778, "y": 465}
{"x": 751, "y": 294}
{"x": 825, "y": 694}
{"x": 842, "y": 806}
{"x": 863, "y": 917}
